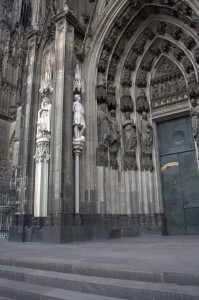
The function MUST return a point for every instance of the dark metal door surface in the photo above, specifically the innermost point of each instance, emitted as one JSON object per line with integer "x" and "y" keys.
{"x": 180, "y": 176}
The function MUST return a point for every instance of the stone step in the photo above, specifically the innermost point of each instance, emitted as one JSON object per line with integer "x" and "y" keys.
{"x": 108, "y": 287}
{"x": 23, "y": 291}
{"x": 148, "y": 276}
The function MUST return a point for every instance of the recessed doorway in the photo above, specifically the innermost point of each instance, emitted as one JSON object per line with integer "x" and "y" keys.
{"x": 180, "y": 176}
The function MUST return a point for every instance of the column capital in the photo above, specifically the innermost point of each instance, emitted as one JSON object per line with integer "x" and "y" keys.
{"x": 78, "y": 145}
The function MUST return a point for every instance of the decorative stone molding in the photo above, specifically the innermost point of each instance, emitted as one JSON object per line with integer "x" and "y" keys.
{"x": 42, "y": 153}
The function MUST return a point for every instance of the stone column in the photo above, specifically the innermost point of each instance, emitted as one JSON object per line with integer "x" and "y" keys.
{"x": 79, "y": 127}
{"x": 42, "y": 154}
{"x": 78, "y": 146}
{"x": 41, "y": 177}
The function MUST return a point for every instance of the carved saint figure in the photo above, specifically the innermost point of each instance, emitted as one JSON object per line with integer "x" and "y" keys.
{"x": 44, "y": 117}
{"x": 195, "y": 119}
{"x": 130, "y": 133}
{"x": 146, "y": 135}
{"x": 78, "y": 118}
{"x": 48, "y": 70}
{"x": 114, "y": 141}
{"x": 102, "y": 125}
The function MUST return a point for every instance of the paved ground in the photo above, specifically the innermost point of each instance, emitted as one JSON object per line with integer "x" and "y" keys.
{"x": 169, "y": 254}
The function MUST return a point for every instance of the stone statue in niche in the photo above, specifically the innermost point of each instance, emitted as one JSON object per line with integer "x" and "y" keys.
{"x": 109, "y": 43}
{"x": 103, "y": 125}
{"x": 103, "y": 135}
{"x": 46, "y": 84}
{"x": 147, "y": 64}
{"x": 192, "y": 85}
{"x": 146, "y": 143}
{"x": 78, "y": 118}
{"x": 130, "y": 139}
{"x": 155, "y": 91}
{"x": 103, "y": 61}
{"x": 48, "y": 69}
{"x": 141, "y": 79}
{"x": 195, "y": 119}
{"x": 130, "y": 142}
{"x": 141, "y": 102}
{"x": 114, "y": 140}
{"x": 44, "y": 118}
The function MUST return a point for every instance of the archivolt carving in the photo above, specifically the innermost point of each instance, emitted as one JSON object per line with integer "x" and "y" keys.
{"x": 142, "y": 103}
{"x": 168, "y": 86}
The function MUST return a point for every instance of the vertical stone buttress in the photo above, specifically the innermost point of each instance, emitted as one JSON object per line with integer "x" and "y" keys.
{"x": 60, "y": 197}
{"x": 26, "y": 125}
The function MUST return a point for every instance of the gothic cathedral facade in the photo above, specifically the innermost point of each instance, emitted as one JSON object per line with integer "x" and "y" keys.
{"x": 99, "y": 118}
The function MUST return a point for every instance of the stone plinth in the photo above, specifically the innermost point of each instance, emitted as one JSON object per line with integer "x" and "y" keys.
{"x": 70, "y": 228}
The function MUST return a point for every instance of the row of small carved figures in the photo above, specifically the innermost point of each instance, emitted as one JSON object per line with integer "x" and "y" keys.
{"x": 170, "y": 95}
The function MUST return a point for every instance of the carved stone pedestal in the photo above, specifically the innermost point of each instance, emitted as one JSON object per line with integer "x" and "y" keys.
{"x": 102, "y": 156}
{"x": 130, "y": 161}
{"x": 146, "y": 162}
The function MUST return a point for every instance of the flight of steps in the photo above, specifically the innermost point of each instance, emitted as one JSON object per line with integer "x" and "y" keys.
{"x": 40, "y": 280}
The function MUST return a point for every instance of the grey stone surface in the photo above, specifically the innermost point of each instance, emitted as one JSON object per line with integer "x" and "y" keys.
{"x": 131, "y": 268}
{"x": 169, "y": 254}
{"x": 23, "y": 290}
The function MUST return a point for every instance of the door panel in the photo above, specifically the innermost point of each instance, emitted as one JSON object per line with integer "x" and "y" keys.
{"x": 180, "y": 177}
{"x": 172, "y": 193}
{"x": 189, "y": 178}
{"x": 192, "y": 220}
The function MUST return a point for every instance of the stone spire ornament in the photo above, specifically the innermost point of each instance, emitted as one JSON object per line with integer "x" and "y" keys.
{"x": 79, "y": 127}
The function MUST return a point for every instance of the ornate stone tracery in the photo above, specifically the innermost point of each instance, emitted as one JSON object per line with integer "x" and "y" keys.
{"x": 168, "y": 85}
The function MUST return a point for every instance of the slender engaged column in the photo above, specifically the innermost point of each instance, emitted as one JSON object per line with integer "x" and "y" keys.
{"x": 41, "y": 177}
{"x": 78, "y": 146}
{"x": 77, "y": 181}
{"x": 79, "y": 127}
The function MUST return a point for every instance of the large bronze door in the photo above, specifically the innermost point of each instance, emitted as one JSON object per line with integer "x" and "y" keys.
{"x": 180, "y": 176}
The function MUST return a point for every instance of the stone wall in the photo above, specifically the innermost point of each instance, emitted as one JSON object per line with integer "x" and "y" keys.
{"x": 5, "y": 152}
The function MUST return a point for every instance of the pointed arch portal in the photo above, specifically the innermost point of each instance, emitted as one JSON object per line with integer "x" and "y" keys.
{"x": 147, "y": 71}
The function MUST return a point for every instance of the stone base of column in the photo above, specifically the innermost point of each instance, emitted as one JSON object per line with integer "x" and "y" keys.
{"x": 70, "y": 228}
